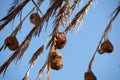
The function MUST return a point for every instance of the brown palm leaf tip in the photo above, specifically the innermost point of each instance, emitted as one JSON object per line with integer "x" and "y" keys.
{"x": 35, "y": 18}
{"x": 89, "y": 76}
{"x": 106, "y": 47}
{"x": 61, "y": 40}
{"x": 56, "y": 60}
{"x": 11, "y": 43}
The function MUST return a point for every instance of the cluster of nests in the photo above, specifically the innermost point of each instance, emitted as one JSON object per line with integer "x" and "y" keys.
{"x": 55, "y": 57}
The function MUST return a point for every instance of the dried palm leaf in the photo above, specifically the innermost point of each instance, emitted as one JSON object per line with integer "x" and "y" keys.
{"x": 48, "y": 70}
{"x": 62, "y": 15}
{"x": 14, "y": 4}
{"x": 4, "y": 66}
{"x": 12, "y": 14}
{"x": 14, "y": 33}
{"x": 24, "y": 45}
{"x": 33, "y": 61}
{"x": 36, "y": 55}
{"x": 76, "y": 2}
{"x": 79, "y": 17}
{"x": 103, "y": 36}
{"x": 42, "y": 70}
{"x": 50, "y": 42}
{"x": 50, "y": 11}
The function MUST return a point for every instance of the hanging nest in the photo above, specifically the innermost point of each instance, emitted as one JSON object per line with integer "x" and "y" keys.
{"x": 106, "y": 47}
{"x": 35, "y": 18}
{"x": 12, "y": 43}
{"x": 56, "y": 60}
{"x": 89, "y": 76}
{"x": 61, "y": 40}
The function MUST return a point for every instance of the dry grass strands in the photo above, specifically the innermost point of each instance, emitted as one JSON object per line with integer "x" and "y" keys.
{"x": 61, "y": 40}
{"x": 11, "y": 43}
{"x": 106, "y": 47}
{"x": 56, "y": 60}
{"x": 76, "y": 2}
{"x": 89, "y": 76}
{"x": 35, "y": 18}
{"x": 78, "y": 19}
{"x": 12, "y": 14}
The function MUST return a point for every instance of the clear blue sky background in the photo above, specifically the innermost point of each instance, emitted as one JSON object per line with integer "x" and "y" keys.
{"x": 78, "y": 51}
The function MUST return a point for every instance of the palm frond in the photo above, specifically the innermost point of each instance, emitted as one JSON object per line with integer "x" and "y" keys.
{"x": 27, "y": 73}
{"x": 76, "y": 2}
{"x": 14, "y": 4}
{"x": 42, "y": 70}
{"x": 63, "y": 14}
{"x": 12, "y": 14}
{"x": 24, "y": 45}
{"x": 14, "y": 33}
{"x": 79, "y": 17}
{"x": 33, "y": 60}
{"x": 117, "y": 10}
{"x": 36, "y": 55}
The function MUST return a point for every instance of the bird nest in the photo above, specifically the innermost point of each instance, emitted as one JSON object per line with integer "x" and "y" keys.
{"x": 89, "y": 76}
{"x": 12, "y": 43}
{"x": 106, "y": 47}
{"x": 56, "y": 60}
{"x": 35, "y": 18}
{"x": 61, "y": 40}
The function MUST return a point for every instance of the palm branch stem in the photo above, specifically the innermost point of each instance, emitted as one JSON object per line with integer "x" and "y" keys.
{"x": 104, "y": 33}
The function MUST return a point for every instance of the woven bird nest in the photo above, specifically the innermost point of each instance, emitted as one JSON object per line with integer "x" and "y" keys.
{"x": 56, "y": 60}
{"x": 61, "y": 40}
{"x": 89, "y": 76}
{"x": 106, "y": 47}
{"x": 12, "y": 43}
{"x": 35, "y": 18}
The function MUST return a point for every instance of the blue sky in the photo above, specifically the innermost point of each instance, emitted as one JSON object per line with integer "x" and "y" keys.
{"x": 78, "y": 51}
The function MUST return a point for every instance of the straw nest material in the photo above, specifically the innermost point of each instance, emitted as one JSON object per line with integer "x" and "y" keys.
{"x": 35, "y": 18}
{"x": 12, "y": 43}
{"x": 106, "y": 47}
{"x": 61, "y": 40}
{"x": 56, "y": 60}
{"x": 89, "y": 76}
